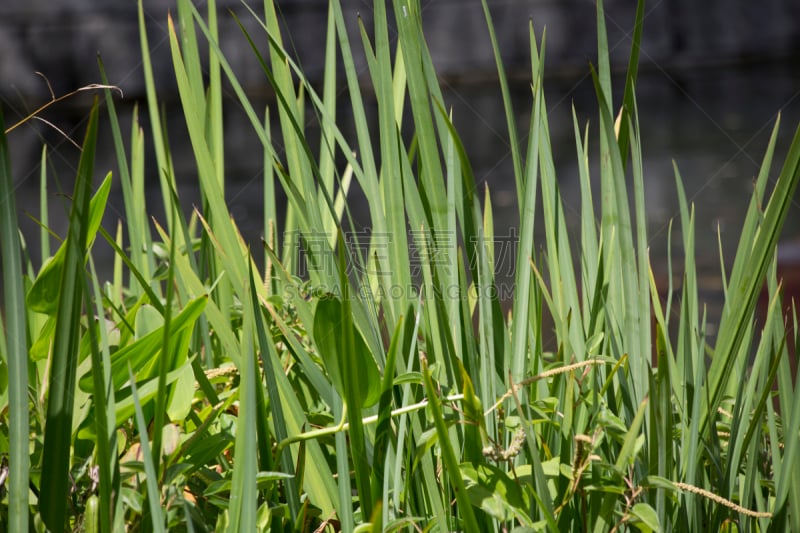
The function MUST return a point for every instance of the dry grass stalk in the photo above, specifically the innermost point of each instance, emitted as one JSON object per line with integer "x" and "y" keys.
{"x": 720, "y": 500}
{"x": 544, "y": 375}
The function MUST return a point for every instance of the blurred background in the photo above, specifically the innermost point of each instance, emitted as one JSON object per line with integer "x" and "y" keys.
{"x": 714, "y": 75}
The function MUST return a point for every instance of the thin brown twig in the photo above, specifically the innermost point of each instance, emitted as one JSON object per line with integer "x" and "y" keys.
{"x": 53, "y": 100}
{"x": 544, "y": 375}
{"x": 49, "y": 87}
{"x": 62, "y": 132}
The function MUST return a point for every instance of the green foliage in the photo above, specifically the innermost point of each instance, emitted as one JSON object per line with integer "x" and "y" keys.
{"x": 214, "y": 396}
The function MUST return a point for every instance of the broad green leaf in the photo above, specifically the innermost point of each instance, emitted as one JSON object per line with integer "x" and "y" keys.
{"x": 180, "y": 398}
{"x": 124, "y": 405}
{"x": 148, "y": 319}
{"x": 328, "y": 338}
{"x": 143, "y": 351}
{"x": 493, "y": 491}
{"x": 40, "y": 348}
{"x": 48, "y": 282}
{"x": 645, "y": 518}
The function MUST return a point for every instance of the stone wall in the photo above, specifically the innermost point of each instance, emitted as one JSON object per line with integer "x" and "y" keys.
{"x": 61, "y": 39}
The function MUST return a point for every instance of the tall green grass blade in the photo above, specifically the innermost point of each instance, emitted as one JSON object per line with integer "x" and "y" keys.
{"x": 242, "y": 509}
{"x": 163, "y": 161}
{"x": 747, "y": 278}
{"x": 605, "y": 95}
{"x": 618, "y": 235}
{"x": 44, "y": 233}
{"x": 206, "y": 132}
{"x": 214, "y": 98}
{"x": 451, "y": 465}
{"x": 344, "y": 482}
{"x": 522, "y": 277}
{"x": 289, "y": 111}
{"x": 566, "y": 311}
{"x": 628, "y": 97}
{"x": 642, "y": 297}
{"x": 415, "y": 60}
{"x": 589, "y": 246}
{"x": 689, "y": 361}
{"x": 270, "y": 209}
{"x": 387, "y": 88}
{"x": 514, "y": 144}
{"x": 356, "y": 360}
{"x": 209, "y": 181}
{"x": 607, "y": 447}
{"x": 61, "y": 389}
{"x": 385, "y": 439}
{"x": 151, "y": 481}
{"x": 131, "y": 179}
{"x": 16, "y": 344}
{"x": 270, "y": 366}
{"x": 103, "y": 396}
{"x": 433, "y": 502}
{"x": 478, "y": 244}
{"x": 327, "y": 148}
{"x": 165, "y": 361}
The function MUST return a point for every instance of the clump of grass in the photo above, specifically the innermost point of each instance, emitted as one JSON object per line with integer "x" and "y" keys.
{"x": 194, "y": 392}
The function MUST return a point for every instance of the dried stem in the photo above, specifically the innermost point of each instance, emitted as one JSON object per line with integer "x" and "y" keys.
{"x": 720, "y": 500}
{"x": 53, "y": 100}
{"x": 544, "y": 375}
